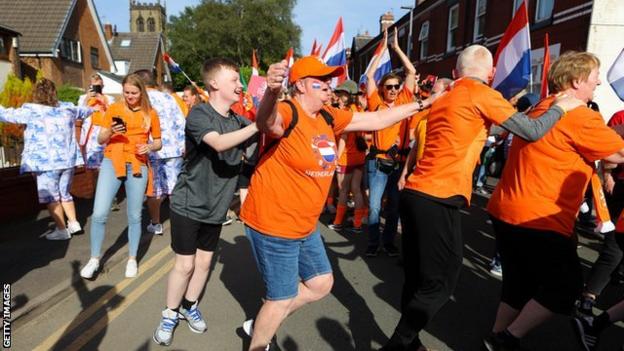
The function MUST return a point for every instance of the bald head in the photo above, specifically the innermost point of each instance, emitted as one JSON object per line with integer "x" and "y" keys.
{"x": 475, "y": 61}
{"x": 440, "y": 85}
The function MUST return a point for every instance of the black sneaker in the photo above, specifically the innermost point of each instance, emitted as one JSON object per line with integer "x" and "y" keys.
{"x": 585, "y": 332}
{"x": 391, "y": 250}
{"x": 372, "y": 251}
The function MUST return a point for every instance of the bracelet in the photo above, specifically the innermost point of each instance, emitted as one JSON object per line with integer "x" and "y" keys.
{"x": 421, "y": 106}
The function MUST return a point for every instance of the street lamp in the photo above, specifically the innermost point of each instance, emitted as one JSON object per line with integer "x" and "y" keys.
{"x": 409, "y": 37}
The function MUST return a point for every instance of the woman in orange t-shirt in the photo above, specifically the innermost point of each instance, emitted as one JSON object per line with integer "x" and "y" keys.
{"x": 126, "y": 128}
{"x": 351, "y": 157}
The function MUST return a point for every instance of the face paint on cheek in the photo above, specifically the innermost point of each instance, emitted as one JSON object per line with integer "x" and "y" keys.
{"x": 316, "y": 86}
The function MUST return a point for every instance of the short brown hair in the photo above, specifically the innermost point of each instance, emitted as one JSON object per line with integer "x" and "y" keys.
{"x": 45, "y": 93}
{"x": 147, "y": 76}
{"x": 571, "y": 66}
{"x": 389, "y": 76}
{"x": 214, "y": 65}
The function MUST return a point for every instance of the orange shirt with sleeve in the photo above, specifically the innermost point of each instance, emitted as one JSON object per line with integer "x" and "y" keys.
{"x": 351, "y": 156}
{"x": 181, "y": 104}
{"x": 292, "y": 179}
{"x": 397, "y": 133}
{"x": 457, "y": 127}
{"x": 121, "y": 148}
{"x": 543, "y": 183}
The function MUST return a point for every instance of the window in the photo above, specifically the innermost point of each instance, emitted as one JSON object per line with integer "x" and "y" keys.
{"x": 423, "y": 38}
{"x": 537, "y": 63}
{"x": 151, "y": 25}
{"x": 543, "y": 10}
{"x": 140, "y": 24}
{"x": 3, "y": 49}
{"x": 70, "y": 50}
{"x": 479, "y": 26}
{"x": 95, "y": 58}
{"x": 453, "y": 24}
{"x": 125, "y": 43}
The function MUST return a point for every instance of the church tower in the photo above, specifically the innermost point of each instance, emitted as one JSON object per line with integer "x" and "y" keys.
{"x": 147, "y": 17}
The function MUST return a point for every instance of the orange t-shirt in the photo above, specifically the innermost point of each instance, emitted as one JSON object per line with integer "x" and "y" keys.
{"x": 121, "y": 148}
{"x": 397, "y": 133}
{"x": 181, "y": 104}
{"x": 544, "y": 182}
{"x": 291, "y": 181}
{"x": 457, "y": 127}
{"x": 351, "y": 156}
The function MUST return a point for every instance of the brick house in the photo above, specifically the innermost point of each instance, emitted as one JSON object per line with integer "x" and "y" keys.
{"x": 62, "y": 38}
{"x": 442, "y": 28}
{"x": 9, "y": 60}
{"x": 135, "y": 51}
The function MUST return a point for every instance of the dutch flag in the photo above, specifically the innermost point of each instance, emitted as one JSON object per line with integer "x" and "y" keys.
{"x": 335, "y": 54}
{"x": 615, "y": 76}
{"x": 173, "y": 66}
{"x": 513, "y": 56}
{"x": 327, "y": 151}
{"x": 384, "y": 67}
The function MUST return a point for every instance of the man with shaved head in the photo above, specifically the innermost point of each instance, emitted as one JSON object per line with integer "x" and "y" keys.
{"x": 441, "y": 184}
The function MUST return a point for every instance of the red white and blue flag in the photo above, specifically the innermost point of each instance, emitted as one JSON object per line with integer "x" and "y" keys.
{"x": 384, "y": 67}
{"x": 615, "y": 76}
{"x": 336, "y": 54}
{"x": 173, "y": 66}
{"x": 513, "y": 56}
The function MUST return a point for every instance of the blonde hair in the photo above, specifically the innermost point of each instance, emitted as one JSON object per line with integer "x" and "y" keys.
{"x": 97, "y": 77}
{"x": 146, "y": 107}
{"x": 571, "y": 66}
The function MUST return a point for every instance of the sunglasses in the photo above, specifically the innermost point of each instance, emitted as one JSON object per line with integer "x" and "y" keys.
{"x": 392, "y": 86}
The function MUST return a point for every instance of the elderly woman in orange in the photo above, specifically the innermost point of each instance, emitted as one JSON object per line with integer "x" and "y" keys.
{"x": 126, "y": 129}
{"x": 535, "y": 204}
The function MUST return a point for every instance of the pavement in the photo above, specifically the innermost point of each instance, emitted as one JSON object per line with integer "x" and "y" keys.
{"x": 54, "y": 309}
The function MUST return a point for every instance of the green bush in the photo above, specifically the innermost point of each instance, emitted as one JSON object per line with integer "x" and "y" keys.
{"x": 69, "y": 93}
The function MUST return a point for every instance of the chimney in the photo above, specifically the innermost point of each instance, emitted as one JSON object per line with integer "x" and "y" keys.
{"x": 108, "y": 31}
{"x": 385, "y": 21}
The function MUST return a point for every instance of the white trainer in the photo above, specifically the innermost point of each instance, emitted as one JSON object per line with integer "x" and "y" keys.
{"x": 156, "y": 229}
{"x": 90, "y": 268}
{"x": 73, "y": 227}
{"x": 132, "y": 269}
{"x": 58, "y": 234}
{"x": 248, "y": 327}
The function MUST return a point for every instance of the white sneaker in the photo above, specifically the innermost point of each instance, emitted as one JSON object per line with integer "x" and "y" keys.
{"x": 73, "y": 227}
{"x": 90, "y": 268}
{"x": 58, "y": 234}
{"x": 248, "y": 327}
{"x": 132, "y": 269}
{"x": 156, "y": 229}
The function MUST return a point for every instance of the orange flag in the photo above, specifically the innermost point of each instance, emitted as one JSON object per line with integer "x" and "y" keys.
{"x": 545, "y": 68}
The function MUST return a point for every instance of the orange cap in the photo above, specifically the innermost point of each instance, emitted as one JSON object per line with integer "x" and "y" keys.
{"x": 312, "y": 66}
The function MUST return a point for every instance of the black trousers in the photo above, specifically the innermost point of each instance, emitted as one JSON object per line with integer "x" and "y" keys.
{"x": 610, "y": 254}
{"x": 432, "y": 258}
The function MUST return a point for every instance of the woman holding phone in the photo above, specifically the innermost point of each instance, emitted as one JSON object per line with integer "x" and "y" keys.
{"x": 126, "y": 129}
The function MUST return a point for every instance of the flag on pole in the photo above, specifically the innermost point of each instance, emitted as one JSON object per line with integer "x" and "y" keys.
{"x": 384, "y": 67}
{"x": 254, "y": 64}
{"x": 336, "y": 54}
{"x": 313, "y": 48}
{"x": 173, "y": 66}
{"x": 290, "y": 60}
{"x": 513, "y": 56}
{"x": 317, "y": 53}
{"x": 545, "y": 68}
{"x": 615, "y": 76}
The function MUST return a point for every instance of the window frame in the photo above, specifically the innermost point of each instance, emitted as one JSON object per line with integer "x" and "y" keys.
{"x": 537, "y": 10}
{"x": 450, "y": 48}
{"x": 424, "y": 40}
{"x": 71, "y": 50}
{"x": 478, "y": 18}
{"x": 140, "y": 23}
{"x": 95, "y": 63}
{"x": 151, "y": 25}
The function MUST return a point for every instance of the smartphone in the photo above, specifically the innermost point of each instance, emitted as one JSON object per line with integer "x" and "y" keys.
{"x": 119, "y": 120}
{"x": 96, "y": 89}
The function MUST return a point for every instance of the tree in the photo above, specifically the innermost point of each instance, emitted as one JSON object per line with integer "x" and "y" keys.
{"x": 232, "y": 29}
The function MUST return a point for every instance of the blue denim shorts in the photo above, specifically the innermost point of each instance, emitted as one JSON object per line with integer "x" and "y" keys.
{"x": 283, "y": 263}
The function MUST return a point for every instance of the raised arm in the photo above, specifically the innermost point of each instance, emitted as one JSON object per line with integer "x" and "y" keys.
{"x": 15, "y": 115}
{"x": 371, "y": 85}
{"x": 380, "y": 119}
{"x": 267, "y": 118}
{"x": 410, "y": 70}
{"x": 223, "y": 142}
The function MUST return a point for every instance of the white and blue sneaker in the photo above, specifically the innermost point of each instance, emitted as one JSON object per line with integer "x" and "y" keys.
{"x": 196, "y": 322}
{"x": 164, "y": 333}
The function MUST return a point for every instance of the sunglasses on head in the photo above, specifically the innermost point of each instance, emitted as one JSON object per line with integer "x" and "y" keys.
{"x": 392, "y": 86}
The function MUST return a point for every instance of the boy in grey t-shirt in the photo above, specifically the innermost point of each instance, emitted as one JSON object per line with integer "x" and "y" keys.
{"x": 205, "y": 188}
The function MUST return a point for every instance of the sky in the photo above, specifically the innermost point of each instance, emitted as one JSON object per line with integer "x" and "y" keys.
{"x": 357, "y": 15}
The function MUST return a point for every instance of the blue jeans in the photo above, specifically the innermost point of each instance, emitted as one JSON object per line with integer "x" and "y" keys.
{"x": 283, "y": 263}
{"x": 380, "y": 183}
{"x": 107, "y": 186}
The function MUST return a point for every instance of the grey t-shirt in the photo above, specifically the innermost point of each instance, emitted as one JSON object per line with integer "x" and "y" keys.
{"x": 208, "y": 179}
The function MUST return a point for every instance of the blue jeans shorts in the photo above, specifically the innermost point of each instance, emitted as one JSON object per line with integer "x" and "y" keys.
{"x": 283, "y": 263}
